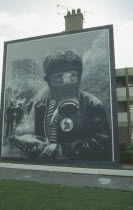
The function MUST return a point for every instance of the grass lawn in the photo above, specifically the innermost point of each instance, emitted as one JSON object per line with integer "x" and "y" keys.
{"x": 24, "y": 195}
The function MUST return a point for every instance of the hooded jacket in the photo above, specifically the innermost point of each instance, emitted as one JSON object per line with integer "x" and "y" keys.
{"x": 90, "y": 136}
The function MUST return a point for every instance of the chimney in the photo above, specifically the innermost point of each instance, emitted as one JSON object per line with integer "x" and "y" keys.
{"x": 74, "y": 20}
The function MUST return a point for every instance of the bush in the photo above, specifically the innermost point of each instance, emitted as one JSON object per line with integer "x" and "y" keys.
{"x": 122, "y": 147}
{"x": 126, "y": 153}
{"x": 129, "y": 147}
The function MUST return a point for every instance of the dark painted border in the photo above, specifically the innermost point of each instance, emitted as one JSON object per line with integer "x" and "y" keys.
{"x": 2, "y": 95}
{"x": 114, "y": 100}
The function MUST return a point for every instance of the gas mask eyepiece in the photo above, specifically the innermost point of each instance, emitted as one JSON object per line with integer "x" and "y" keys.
{"x": 64, "y": 78}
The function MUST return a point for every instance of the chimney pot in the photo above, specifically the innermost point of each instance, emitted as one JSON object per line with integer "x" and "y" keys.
{"x": 78, "y": 11}
{"x": 73, "y": 12}
{"x": 68, "y": 13}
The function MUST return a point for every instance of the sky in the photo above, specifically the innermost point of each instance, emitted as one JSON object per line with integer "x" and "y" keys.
{"x": 28, "y": 18}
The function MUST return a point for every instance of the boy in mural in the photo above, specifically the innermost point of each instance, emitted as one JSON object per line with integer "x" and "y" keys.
{"x": 69, "y": 123}
{"x": 73, "y": 121}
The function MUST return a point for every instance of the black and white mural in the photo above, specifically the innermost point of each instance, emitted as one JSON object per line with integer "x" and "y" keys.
{"x": 58, "y": 98}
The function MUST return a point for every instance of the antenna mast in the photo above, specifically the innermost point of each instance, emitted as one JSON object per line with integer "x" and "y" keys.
{"x": 85, "y": 12}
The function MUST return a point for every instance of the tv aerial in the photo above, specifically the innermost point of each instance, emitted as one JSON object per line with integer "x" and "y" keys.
{"x": 64, "y": 7}
{"x": 85, "y": 12}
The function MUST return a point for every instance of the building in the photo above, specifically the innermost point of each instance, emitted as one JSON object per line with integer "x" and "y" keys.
{"x": 25, "y": 75}
{"x": 25, "y": 71}
{"x": 124, "y": 82}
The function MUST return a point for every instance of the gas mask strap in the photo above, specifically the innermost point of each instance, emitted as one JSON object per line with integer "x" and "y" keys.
{"x": 54, "y": 114}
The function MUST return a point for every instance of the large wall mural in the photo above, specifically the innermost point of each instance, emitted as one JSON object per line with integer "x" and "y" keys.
{"x": 57, "y": 98}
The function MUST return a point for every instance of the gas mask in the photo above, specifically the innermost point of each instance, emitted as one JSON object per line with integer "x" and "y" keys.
{"x": 64, "y": 88}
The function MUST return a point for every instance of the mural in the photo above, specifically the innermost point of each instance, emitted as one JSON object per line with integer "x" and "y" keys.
{"x": 58, "y": 99}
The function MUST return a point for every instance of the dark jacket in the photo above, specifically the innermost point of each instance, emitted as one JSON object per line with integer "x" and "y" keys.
{"x": 90, "y": 137}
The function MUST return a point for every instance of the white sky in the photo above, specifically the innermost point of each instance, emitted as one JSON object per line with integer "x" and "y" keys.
{"x": 28, "y": 18}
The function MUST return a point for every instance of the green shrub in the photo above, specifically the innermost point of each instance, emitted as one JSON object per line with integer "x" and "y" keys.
{"x": 129, "y": 147}
{"x": 126, "y": 157}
